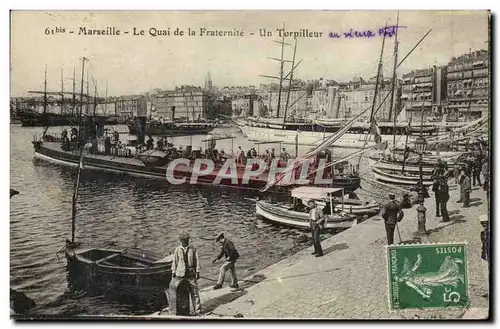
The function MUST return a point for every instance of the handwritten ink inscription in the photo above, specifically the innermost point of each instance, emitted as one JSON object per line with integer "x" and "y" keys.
{"x": 388, "y": 31}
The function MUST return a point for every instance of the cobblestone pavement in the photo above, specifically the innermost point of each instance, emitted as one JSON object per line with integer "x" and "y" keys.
{"x": 350, "y": 281}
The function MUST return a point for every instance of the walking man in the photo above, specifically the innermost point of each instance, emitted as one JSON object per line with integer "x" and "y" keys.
{"x": 392, "y": 214}
{"x": 316, "y": 223}
{"x": 229, "y": 251}
{"x": 185, "y": 266}
{"x": 486, "y": 178}
{"x": 465, "y": 189}
{"x": 443, "y": 196}
{"x": 476, "y": 171}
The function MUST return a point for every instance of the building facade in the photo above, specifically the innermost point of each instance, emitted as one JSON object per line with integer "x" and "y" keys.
{"x": 187, "y": 105}
{"x": 297, "y": 103}
{"x": 417, "y": 89}
{"x": 324, "y": 101}
{"x": 358, "y": 98}
{"x": 468, "y": 85}
{"x": 244, "y": 106}
{"x": 131, "y": 106}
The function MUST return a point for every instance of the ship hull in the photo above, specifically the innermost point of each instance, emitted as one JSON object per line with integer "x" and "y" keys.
{"x": 50, "y": 152}
{"x": 47, "y": 119}
{"x": 313, "y": 138}
{"x": 167, "y": 131}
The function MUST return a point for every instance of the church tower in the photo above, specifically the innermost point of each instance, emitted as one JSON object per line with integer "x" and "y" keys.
{"x": 208, "y": 82}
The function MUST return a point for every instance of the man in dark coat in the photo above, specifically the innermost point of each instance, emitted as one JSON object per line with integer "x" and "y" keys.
{"x": 443, "y": 196}
{"x": 229, "y": 251}
{"x": 476, "y": 171}
{"x": 435, "y": 189}
{"x": 392, "y": 214}
{"x": 465, "y": 188}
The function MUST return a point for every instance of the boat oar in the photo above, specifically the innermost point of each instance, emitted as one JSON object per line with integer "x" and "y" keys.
{"x": 399, "y": 234}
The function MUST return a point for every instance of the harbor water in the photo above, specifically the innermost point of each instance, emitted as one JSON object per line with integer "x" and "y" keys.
{"x": 149, "y": 214}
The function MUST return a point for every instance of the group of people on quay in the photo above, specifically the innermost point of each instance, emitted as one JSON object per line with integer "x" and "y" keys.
{"x": 468, "y": 170}
{"x": 186, "y": 269}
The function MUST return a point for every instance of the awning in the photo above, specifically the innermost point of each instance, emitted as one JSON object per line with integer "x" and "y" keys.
{"x": 458, "y": 92}
{"x": 311, "y": 192}
{"x": 404, "y": 96}
{"x": 478, "y": 63}
{"x": 469, "y": 93}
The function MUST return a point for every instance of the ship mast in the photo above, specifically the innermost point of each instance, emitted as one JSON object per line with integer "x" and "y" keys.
{"x": 375, "y": 93}
{"x": 80, "y": 164}
{"x": 74, "y": 95}
{"x": 88, "y": 101}
{"x": 106, "y": 100}
{"x": 95, "y": 98}
{"x": 62, "y": 91}
{"x": 392, "y": 110}
{"x": 45, "y": 92}
{"x": 281, "y": 71}
{"x": 290, "y": 83}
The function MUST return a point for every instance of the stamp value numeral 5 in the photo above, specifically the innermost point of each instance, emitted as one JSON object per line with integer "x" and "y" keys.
{"x": 451, "y": 296}
{"x": 448, "y": 250}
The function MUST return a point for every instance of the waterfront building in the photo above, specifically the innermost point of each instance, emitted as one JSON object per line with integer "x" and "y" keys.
{"x": 128, "y": 107}
{"x": 324, "y": 101}
{"x": 418, "y": 87}
{"x": 359, "y": 96}
{"x": 468, "y": 83}
{"x": 244, "y": 106}
{"x": 297, "y": 106}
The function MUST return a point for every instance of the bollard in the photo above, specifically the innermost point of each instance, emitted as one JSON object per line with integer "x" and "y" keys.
{"x": 421, "y": 219}
{"x": 178, "y": 297}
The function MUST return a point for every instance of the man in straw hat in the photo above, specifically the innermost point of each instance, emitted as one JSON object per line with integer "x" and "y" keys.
{"x": 186, "y": 266}
{"x": 392, "y": 214}
{"x": 229, "y": 251}
{"x": 316, "y": 223}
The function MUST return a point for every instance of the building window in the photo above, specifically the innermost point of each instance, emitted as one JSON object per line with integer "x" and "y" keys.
{"x": 366, "y": 98}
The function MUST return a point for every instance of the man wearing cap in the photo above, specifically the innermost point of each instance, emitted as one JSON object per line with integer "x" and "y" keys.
{"x": 392, "y": 214}
{"x": 229, "y": 251}
{"x": 185, "y": 266}
{"x": 316, "y": 223}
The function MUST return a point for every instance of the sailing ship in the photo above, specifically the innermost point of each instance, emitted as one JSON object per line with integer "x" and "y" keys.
{"x": 314, "y": 132}
{"x": 108, "y": 266}
{"x": 31, "y": 115}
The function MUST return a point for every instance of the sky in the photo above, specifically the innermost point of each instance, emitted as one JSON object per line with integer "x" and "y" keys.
{"x": 132, "y": 64}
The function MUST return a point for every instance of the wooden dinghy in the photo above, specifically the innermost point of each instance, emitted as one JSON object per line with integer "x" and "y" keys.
{"x": 397, "y": 178}
{"x": 298, "y": 216}
{"x": 358, "y": 207}
{"x": 132, "y": 271}
{"x": 285, "y": 216}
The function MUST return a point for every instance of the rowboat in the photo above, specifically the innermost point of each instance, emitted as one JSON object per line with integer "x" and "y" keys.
{"x": 297, "y": 215}
{"x": 398, "y": 178}
{"x": 133, "y": 271}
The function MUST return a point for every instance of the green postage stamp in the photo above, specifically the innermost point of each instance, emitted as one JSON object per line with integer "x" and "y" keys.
{"x": 427, "y": 276}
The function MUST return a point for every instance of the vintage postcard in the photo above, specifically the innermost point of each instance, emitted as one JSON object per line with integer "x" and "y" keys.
{"x": 250, "y": 164}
